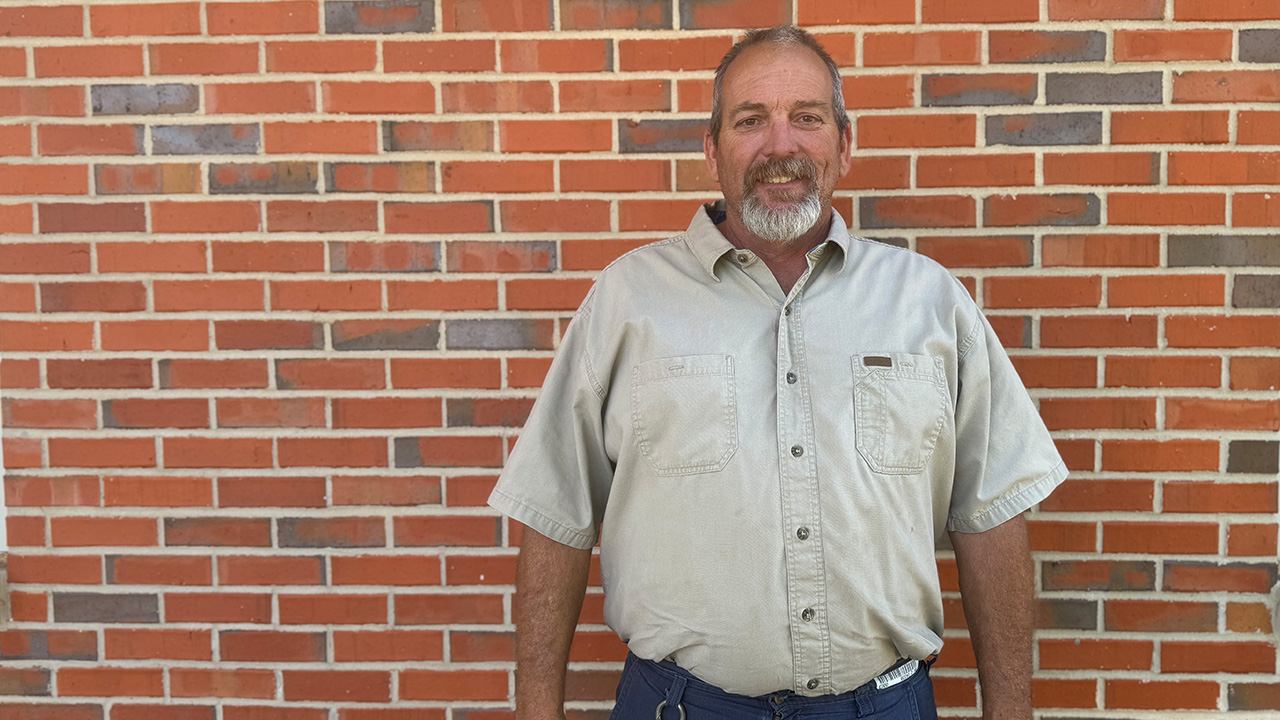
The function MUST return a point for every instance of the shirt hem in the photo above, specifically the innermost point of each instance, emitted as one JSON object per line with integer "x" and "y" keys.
{"x": 531, "y": 516}
{"x": 1010, "y": 506}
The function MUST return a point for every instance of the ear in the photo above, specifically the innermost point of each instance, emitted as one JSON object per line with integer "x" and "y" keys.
{"x": 846, "y": 149}
{"x": 709, "y": 152}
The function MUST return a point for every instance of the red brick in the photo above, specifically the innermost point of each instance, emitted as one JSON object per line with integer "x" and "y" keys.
{"x": 1220, "y": 332}
{"x": 329, "y": 216}
{"x": 249, "y": 712}
{"x": 44, "y": 179}
{"x": 22, "y": 531}
{"x": 337, "y": 685}
{"x": 1106, "y": 9}
{"x": 320, "y": 137}
{"x": 139, "y": 644}
{"x": 394, "y": 490}
{"x": 1231, "y": 657}
{"x": 505, "y": 97}
{"x": 16, "y": 219}
{"x": 1158, "y": 537}
{"x": 383, "y": 98}
{"x": 160, "y": 570}
{"x": 1156, "y": 695}
{"x": 1094, "y": 496}
{"x": 556, "y": 56}
{"x": 93, "y": 296}
{"x": 1166, "y": 209}
{"x": 172, "y": 18}
{"x": 1251, "y": 540}
{"x": 1090, "y": 654}
{"x": 271, "y": 412}
{"x": 1031, "y": 292}
{"x": 453, "y": 685}
{"x": 1166, "y": 290}
{"x": 1170, "y": 126}
{"x": 922, "y": 48}
{"x": 229, "y": 452}
{"x": 102, "y": 531}
{"x": 443, "y": 295}
{"x": 1230, "y": 86}
{"x": 222, "y": 683}
{"x": 70, "y": 414}
{"x": 1208, "y": 577}
{"x": 1127, "y": 371}
{"x": 177, "y": 335}
{"x": 734, "y": 14}
{"x": 55, "y": 569}
{"x": 16, "y": 139}
{"x": 446, "y": 372}
{"x": 1258, "y": 128}
{"x": 195, "y": 373}
{"x": 615, "y": 95}
{"x": 694, "y": 53}
{"x": 1172, "y": 45}
{"x": 546, "y": 294}
{"x": 59, "y": 101}
{"x": 120, "y": 491}
{"x": 1255, "y": 210}
{"x": 1098, "y": 331}
{"x": 262, "y": 646}
{"x": 68, "y": 491}
{"x": 1255, "y": 373}
{"x": 480, "y": 570}
{"x": 952, "y": 11}
{"x": 1056, "y": 536}
{"x": 1101, "y": 169}
{"x": 495, "y": 15}
{"x": 102, "y": 452}
{"x": 203, "y": 58}
{"x": 219, "y": 607}
{"x": 271, "y": 492}
{"x": 339, "y": 373}
{"x": 110, "y": 682}
{"x": 333, "y": 452}
{"x": 555, "y": 136}
{"x": 1052, "y": 693}
{"x": 270, "y": 570}
{"x": 1057, "y": 372}
{"x": 156, "y": 412}
{"x": 871, "y": 12}
{"x": 408, "y": 570}
{"x": 916, "y": 131}
{"x": 1160, "y": 456}
{"x": 327, "y": 56}
{"x": 439, "y": 609}
{"x": 1206, "y": 168}
{"x": 89, "y": 139}
{"x": 488, "y": 646}
{"x": 448, "y": 530}
{"x": 206, "y": 295}
{"x": 556, "y": 216}
{"x": 205, "y": 217}
{"x": 333, "y": 608}
{"x": 389, "y": 646}
{"x": 325, "y": 296}
{"x": 166, "y": 257}
{"x": 439, "y": 56}
{"x": 32, "y": 21}
{"x": 1090, "y": 413}
{"x": 88, "y": 61}
{"x": 263, "y": 18}
{"x": 975, "y": 170}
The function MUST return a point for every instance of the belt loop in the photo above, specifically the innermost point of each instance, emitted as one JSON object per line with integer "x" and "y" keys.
{"x": 862, "y": 696}
{"x": 674, "y": 694}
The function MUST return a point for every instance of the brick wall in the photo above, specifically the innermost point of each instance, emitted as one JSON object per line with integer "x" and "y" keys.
{"x": 279, "y": 282}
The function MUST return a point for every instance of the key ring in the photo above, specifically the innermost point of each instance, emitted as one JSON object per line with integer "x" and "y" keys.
{"x": 658, "y": 714}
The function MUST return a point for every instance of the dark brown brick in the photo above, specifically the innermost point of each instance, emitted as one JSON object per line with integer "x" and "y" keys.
{"x": 499, "y": 334}
{"x": 24, "y": 681}
{"x": 269, "y": 177}
{"x": 356, "y": 256}
{"x": 642, "y": 136}
{"x": 331, "y": 532}
{"x": 217, "y": 532}
{"x": 1253, "y": 456}
{"x": 1052, "y": 210}
{"x": 1066, "y": 614}
{"x": 105, "y": 608}
{"x": 379, "y": 16}
{"x": 1072, "y": 128}
{"x": 962, "y": 90}
{"x": 211, "y": 139}
{"x": 1224, "y": 250}
{"x": 1253, "y": 696}
{"x": 1104, "y": 88}
{"x": 166, "y": 99}
{"x": 463, "y": 135}
{"x": 504, "y": 256}
{"x": 486, "y": 412}
{"x": 1260, "y": 45}
{"x": 1098, "y": 575}
{"x": 1256, "y": 291}
{"x": 386, "y": 335}
{"x": 1029, "y": 46}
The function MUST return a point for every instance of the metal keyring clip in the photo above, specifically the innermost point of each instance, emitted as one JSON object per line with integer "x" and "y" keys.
{"x": 658, "y": 714}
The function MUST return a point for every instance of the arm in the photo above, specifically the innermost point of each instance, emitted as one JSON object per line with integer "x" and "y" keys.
{"x": 550, "y": 582}
{"x": 997, "y": 587}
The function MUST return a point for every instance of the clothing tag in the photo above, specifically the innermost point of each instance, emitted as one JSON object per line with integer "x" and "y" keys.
{"x": 877, "y": 361}
{"x": 897, "y": 675}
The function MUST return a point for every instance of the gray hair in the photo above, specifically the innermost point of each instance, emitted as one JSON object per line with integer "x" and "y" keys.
{"x": 778, "y": 35}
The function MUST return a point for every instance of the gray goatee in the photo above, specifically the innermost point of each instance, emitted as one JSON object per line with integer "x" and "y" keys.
{"x": 783, "y": 225}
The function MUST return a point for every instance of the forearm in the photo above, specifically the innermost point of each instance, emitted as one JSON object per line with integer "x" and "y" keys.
{"x": 550, "y": 581}
{"x": 997, "y": 587}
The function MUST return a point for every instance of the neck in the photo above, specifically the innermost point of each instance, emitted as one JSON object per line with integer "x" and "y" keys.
{"x": 787, "y": 261}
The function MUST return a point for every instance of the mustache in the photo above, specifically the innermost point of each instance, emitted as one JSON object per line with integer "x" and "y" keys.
{"x": 793, "y": 166}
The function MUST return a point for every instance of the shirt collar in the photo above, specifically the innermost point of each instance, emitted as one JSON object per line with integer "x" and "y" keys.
{"x": 708, "y": 244}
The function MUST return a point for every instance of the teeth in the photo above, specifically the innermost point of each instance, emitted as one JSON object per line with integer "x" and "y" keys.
{"x": 780, "y": 179}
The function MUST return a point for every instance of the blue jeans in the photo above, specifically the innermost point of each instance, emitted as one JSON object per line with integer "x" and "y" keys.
{"x": 646, "y": 684}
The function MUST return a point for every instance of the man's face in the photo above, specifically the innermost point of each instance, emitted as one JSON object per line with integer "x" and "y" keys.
{"x": 779, "y": 154}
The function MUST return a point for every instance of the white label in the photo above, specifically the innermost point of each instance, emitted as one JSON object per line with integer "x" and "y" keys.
{"x": 897, "y": 675}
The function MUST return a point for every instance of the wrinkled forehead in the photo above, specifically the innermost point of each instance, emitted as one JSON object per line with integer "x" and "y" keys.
{"x": 789, "y": 73}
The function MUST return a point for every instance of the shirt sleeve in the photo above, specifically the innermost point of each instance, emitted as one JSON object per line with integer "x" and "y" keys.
{"x": 1005, "y": 460}
{"x": 557, "y": 478}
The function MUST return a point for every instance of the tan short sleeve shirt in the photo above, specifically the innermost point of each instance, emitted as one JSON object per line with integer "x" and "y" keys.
{"x": 767, "y": 474}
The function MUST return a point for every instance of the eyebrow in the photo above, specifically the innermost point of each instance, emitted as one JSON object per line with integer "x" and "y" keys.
{"x": 801, "y": 105}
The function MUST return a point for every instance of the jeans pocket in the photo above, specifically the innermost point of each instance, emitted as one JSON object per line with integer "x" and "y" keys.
{"x": 684, "y": 413}
{"x": 900, "y": 406}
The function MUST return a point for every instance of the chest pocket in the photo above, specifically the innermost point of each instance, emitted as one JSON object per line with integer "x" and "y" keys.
{"x": 684, "y": 413}
{"x": 900, "y": 406}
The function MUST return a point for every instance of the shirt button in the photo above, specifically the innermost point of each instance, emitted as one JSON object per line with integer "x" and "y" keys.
{"x": 812, "y": 684}
{"x": 797, "y": 451}
{"x": 743, "y": 257}
{"x": 803, "y": 533}
{"x": 787, "y": 311}
{"x": 791, "y": 378}
{"x": 807, "y": 614}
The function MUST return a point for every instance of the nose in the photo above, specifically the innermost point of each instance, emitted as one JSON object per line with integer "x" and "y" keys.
{"x": 781, "y": 140}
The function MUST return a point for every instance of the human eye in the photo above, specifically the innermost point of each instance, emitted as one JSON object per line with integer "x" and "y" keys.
{"x": 749, "y": 122}
{"x": 809, "y": 119}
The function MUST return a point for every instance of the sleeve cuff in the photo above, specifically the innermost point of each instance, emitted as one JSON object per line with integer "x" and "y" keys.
{"x": 1008, "y": 506}
{"x": 532, "y": 517}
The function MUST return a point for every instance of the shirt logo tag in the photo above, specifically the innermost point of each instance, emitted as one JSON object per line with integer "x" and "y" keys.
{"x": 897, "y": 675}
{"x": 877, "y": 361}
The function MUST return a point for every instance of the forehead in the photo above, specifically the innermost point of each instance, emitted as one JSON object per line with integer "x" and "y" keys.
{"x": 773, "y": 74}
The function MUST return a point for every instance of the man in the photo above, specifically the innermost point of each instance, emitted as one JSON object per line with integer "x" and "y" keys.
{"x": 767, "y": 424}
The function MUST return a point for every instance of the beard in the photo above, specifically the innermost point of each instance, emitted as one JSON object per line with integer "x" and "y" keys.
{"x": 780, "y": 226}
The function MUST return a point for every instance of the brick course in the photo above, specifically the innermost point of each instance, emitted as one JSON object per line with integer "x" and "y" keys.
{"x": 279, "y": 282}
